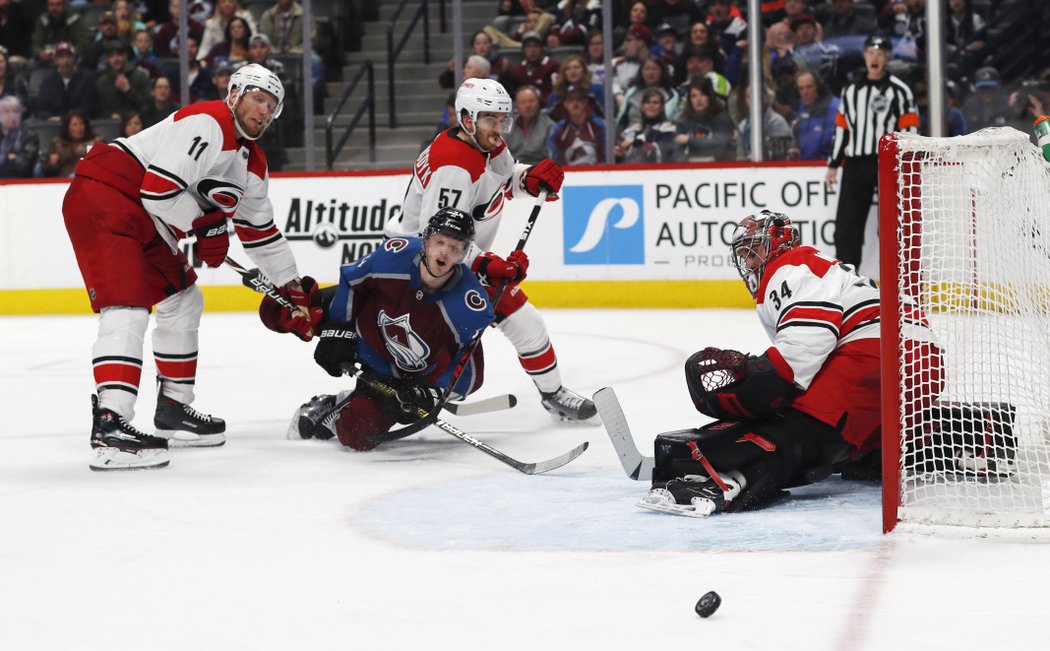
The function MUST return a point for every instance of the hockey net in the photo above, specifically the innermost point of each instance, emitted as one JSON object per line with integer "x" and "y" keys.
{"x": 965, "y": 237}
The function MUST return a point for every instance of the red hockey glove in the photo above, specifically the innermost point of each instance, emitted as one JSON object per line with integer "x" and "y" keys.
{"x": 301, "y": 322}
{"x": 492, "y": 269}
{"x": 544, "y": 175}
{"x": 213, "y": 240}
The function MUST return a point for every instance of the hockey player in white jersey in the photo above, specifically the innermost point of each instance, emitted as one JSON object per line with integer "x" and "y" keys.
{"x": 470, "y": 168}
{"x": 129, "y": 204}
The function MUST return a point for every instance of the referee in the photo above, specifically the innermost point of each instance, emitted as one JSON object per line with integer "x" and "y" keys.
{"x": 869, "y": 108}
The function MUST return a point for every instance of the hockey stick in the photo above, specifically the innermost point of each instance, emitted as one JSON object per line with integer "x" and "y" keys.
{"x": 254, "y": 279}
{"x": 427, "y": 419}
{"x": 528, "y": 468}
{"x": 485, "y": 406}
{"x": 634, "y": 464}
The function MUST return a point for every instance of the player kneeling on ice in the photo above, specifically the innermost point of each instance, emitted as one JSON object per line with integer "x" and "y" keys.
{"x": 806, "y": 407}
{"x": 406, "y": 314}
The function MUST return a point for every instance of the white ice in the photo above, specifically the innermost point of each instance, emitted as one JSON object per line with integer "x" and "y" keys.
{"x": 427, "y": 543}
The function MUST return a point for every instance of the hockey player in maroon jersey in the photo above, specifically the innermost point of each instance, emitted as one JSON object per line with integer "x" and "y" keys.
{"x": 804, "y": 408}
{"x": 129, "y": 204}
{"x": 405, "y": 313}
{"x": 469, "y": 167}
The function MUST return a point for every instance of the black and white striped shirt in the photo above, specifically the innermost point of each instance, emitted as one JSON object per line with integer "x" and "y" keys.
{"x": 870, "y": 109}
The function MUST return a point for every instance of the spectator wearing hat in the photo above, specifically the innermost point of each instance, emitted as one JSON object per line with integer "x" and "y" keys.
{"x": 166, "y": 38}
{"x": 57, "y": 25}
{"x": 579, "y": 139}
{"x": 220, "y": 77}
{"x": 536, "y": 68}
{"x": 782, "y": 31}
{"x": 636, "y": 44}
{"x": 809, "y": 52}
{"x": 877, "y": 104}
{"x": 259, "y": 50}
{"x": 122, "y": 86}
{"x": 161, "y": 103}
{"x": 574, "y": 73}
{"x": 67, "y": 88}
{"x": 16, "y": 29}
{"x": 93, "y": 57}
{"x": 699, "y": 63}
{"x": 572, "y": 20}
{"x": 699, "y": 37}
{"x": 666, "y": 46}
{"x": 19, "y": 147}
{"x": 988, "y": 106}
{"x": 528, "y": 139}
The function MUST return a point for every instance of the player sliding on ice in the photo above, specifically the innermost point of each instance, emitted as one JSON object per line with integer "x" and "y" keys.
{"x": 469, "y": 167}
{"x": 405, "y": 313}
{"x": 803, "y": 409}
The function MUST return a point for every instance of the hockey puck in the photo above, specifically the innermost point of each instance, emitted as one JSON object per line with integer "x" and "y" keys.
{"x": 708, "y": 604}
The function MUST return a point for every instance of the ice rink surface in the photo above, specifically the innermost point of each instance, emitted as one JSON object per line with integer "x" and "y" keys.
{"x": 426, "y": 543}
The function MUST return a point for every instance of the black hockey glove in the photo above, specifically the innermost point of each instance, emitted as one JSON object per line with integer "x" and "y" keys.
{"x": 414, "y": 397}
{"x": 336, "y": 349}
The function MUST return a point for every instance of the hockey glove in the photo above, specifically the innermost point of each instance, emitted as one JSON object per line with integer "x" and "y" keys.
{"x": 336, "y": 349}
{"x": 544, "y": 175}
{"x": 303, "y": 321}
{"x": 414, "y": 397}
{"x": 491, "y": 269}
{"x": 213, "y": 240}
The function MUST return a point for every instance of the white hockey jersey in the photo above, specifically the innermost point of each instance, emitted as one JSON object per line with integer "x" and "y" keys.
{"x": 193, "y": 162}
{"x": 811, "y": 304}
{"x": 453, "y": 173}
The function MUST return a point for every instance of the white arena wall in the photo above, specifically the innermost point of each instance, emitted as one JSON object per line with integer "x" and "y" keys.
{"x": 620, "y": 236}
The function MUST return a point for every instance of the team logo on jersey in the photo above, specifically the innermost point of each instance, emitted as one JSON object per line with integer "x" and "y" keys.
{"x": 604, "y": 224}
{"x": 395, "y": 244}
{"x": 407, "y": 348}
{"x": 220, "y": 193}
{"x": 475, "y": 301}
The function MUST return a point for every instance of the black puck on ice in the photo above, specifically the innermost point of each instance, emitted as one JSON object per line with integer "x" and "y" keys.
{"x": 708, "y": 604}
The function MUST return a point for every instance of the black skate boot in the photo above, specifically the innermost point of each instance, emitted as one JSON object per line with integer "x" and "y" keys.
{"x": 567, "y": 405}
{"x": 119, "y": 446}
{"x": 696, "y": 496}
{"x": 184, "y": 426}
{"x": 315, "y": 419}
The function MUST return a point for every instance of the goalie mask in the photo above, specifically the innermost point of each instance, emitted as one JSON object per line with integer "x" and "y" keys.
{"x": 249, "y": 78}
{"x": 757, "y": 241}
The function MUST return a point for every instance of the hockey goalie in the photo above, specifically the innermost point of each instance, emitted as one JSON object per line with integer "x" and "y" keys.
{"x": 806, "y": 407}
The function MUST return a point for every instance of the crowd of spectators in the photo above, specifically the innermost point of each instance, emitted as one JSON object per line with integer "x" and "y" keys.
{"x": 101, "y": 69}
{"x": 680, "y": 74}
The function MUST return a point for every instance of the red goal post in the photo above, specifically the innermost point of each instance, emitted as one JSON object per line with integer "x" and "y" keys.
{"x": 965, "y": 235}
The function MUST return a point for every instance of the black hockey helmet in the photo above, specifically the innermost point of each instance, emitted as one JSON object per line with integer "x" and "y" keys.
{"x": 452, "y": 222}
{"x": 878, "y": 42}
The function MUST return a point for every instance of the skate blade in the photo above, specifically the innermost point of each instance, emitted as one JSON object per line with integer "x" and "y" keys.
{"x": 700, "y": 508}
{"x": 107, "y": 459}
{"x": 184, "y": 439}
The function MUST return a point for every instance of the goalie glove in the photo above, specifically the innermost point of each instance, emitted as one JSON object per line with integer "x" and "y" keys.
{"x": 729, "y": 385}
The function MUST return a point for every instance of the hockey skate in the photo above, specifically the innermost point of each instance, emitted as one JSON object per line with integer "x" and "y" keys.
{"x": 568, "y": 405}
{"x": 315, "y": 419}
{"x": 185, "y": 427}
{"x": 119, "y": 446}
{"x": 694, "y": 496}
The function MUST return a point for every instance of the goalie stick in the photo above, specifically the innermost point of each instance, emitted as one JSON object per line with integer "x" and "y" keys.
{"x": 634, "y": 464}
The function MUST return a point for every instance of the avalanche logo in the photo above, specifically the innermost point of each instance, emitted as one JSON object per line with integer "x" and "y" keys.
{"x": 407, "y": 348}
{"x": 604, "y": 224}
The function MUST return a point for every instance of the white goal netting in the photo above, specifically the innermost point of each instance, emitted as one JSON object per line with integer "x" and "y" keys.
{"x": 973, "y": 247}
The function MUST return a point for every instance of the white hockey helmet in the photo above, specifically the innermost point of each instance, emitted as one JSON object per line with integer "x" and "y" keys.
{"x": 483, "y": 95}
{"x": 254, "y": 77}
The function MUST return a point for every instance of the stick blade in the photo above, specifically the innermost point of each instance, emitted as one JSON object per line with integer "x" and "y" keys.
{"x": 636, "y": 466}
{"x": 497, "y": 403}
{"x": 541, "y": 467}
